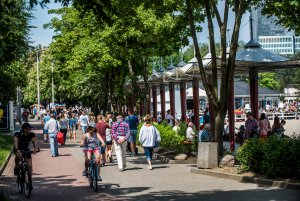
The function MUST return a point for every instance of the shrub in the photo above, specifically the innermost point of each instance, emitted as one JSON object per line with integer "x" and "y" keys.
{"x": 172, "y": 140}
{"x": 272, "y": 157}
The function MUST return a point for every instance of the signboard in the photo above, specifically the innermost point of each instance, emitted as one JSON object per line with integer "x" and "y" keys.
{"x": 4, "y": 118}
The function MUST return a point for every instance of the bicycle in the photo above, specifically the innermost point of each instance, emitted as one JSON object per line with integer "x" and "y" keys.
{"x": 24, "y": 180}
{"x": 92, "y": 173}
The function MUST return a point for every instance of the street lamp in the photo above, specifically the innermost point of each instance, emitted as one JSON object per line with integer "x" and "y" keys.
{"x": 38, "y": 82}
{"x": 52, "y": 83}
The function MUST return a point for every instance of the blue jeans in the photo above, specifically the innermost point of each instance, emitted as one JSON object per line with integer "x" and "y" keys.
{"x": 148, "y": 153}
{"x": 53, "y": 145}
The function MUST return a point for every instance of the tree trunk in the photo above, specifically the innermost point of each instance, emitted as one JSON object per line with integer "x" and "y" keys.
{"x": 219, "y": 129}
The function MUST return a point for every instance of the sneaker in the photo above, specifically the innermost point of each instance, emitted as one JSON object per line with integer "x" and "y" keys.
{"x": 102, "y": 165}
{"x": 16, "y": 170}
{"x": 99, "y": 178}
{"x": 84, "y": 173}
{"x": 121, "y": 170}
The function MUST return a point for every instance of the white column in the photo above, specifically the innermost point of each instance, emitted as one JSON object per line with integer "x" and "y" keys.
{"x": 11, "y": 115}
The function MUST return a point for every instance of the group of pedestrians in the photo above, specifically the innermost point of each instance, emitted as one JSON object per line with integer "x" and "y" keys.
{"x": 262, "y": 128}
{"x": 101, "y": 135}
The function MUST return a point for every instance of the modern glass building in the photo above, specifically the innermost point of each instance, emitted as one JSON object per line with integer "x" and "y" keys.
{"x": 280, "y": 44}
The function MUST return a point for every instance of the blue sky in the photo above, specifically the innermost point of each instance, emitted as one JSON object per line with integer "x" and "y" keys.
{"x": 39, "y": 35}
{"x": 43, "y": 36}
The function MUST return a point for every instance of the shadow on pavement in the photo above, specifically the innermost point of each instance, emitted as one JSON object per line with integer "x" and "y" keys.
{"x": 60, "y": 188}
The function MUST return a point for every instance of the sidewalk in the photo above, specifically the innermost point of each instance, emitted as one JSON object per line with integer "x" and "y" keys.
{"x": 54, "y": 178}
{"x": 59, "y": 179}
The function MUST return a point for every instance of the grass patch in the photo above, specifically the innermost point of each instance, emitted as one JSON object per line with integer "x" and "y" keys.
{"x": 6, "y": 143}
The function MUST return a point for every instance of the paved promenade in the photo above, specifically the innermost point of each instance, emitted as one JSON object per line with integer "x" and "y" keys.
{"x": 59, "y": 179}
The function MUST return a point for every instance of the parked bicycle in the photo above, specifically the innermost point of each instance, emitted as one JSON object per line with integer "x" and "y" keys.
{"x": 24, "y": 179}
{"x": 92, "y": 173}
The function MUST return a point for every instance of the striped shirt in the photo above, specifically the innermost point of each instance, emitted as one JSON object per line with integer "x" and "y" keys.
{"x": 120, "y": 129}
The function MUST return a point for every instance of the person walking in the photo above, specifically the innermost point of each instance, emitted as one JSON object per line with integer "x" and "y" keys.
{"x": 251, "y": 126}
{"x": 264, "y": 126}
{"x": 83, "y": 122}
{"x": 108, "y": 151}
{"x": 53, "y": 126}
{"x": 63, "y": 127}
{"x": 120, "y": 133}
{"x": 133, "y": 123}
{"x": 101, "y": 127}
{"x": 44, "y": 121}
{"x": 72, "y": 124}
{"x": 277, "y": 128}
{"x": 149, "y": 137}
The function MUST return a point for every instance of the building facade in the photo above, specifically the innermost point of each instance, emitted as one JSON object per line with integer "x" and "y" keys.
{"x": 280, "y": 44}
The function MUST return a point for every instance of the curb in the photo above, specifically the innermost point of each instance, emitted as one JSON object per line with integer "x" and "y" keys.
{"x": 2, "y": 168}
{"x": 247, "y": 179}
{"x": 166, "y": 160}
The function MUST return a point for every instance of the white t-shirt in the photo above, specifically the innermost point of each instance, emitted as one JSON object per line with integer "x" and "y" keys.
{"x": 190, "y": 133}
{"x": 84, "y": 120}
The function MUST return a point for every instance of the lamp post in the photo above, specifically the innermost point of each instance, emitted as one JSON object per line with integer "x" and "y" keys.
{"x": 38, "y": 82}
{"x": 52, "y": 84}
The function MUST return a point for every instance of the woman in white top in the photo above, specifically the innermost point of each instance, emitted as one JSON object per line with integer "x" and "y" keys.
{"x": 149, "y": 137}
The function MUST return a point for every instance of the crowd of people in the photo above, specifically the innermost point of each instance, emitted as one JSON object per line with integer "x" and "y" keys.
{"x": 100, "y": 135}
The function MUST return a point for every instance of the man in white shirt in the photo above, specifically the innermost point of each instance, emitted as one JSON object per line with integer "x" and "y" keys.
{"x": 190, "y": 133}
{"x": 83, "y": 122}
{"x": 53, "y": 126}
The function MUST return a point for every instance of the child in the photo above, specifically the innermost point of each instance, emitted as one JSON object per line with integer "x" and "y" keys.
{"x": 89, "y": 142}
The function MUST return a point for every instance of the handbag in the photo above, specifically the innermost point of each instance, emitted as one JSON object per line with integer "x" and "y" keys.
{"x": 60, "y": 137}
{"x": 156, "y": 144}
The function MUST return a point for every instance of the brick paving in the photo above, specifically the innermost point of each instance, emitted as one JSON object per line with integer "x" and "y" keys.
{"x": 59, "y": 178}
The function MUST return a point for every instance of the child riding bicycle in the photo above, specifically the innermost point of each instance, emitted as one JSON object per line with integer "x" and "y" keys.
{"x": 90, "y": 145}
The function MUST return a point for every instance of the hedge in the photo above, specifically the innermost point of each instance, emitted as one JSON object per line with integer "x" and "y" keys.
{"x": 272, "y": 157}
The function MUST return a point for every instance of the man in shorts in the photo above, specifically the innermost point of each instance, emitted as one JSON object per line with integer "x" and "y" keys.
{"x": 133, "y": 122}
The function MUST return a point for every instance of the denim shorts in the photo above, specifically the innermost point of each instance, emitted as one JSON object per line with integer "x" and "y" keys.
{"x": 102, "y": 149}
{"x": 132, "y": 136}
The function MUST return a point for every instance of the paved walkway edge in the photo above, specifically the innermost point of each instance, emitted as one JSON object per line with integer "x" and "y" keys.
{"x": 247, "y": 179}
{"x": 6, "y": 162}
{"x": 165, "y": 159}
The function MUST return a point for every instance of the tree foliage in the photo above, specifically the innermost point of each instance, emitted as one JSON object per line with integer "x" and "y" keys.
{"x": 287, "y": 12}
{"x": 14, "y": 43}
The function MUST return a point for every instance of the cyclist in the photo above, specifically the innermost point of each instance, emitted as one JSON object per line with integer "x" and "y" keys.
{"x": 22, "y": 139}
{"x": 89, "y": 142}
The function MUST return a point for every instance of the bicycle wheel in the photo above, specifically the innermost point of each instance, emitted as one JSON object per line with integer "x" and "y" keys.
{"x": 95, "y": 177}
{"x": 90, "y": 176}
{"x": 27, "y": 183}
{"x": 20, "y": 182}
